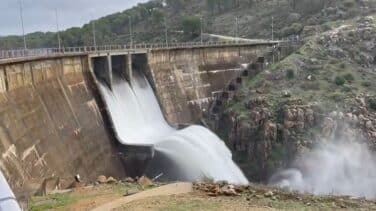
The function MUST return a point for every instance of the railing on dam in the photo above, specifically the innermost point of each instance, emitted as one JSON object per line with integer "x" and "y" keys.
{"x": 22, "y": 53}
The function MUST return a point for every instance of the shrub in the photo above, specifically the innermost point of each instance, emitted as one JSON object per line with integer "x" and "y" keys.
{"x": 339, "y": 80}
{"x": 290, "y": 74}
{"x": 191, "y": 25}
{"x": 349, "y": 3}
{"x": 346, "y": 89}
{"x": 372, "y": 103}
{"x": 326, "y": 27}
{"x": 366, "y": 83}
{"x": 295, "y": 28}
{"x": 342, "y": 65}
{"x": 349, "y": 77}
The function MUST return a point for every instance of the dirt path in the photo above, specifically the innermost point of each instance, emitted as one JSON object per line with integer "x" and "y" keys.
{"x": 167, "y": 190}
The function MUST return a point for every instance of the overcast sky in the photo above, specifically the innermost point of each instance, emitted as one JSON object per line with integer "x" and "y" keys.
{"x": 39, "y": 15}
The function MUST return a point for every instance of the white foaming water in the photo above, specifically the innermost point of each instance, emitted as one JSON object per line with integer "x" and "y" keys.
{"x": 335, "y": 168}
{"x": 138, "y": 120}
{"x": 7, "y": 199}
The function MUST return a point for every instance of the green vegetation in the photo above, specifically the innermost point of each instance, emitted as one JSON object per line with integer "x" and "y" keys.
{"x": 191, "y": 26}
{"x": 339, "y": 80}
{"x": 290, "y": 74}
{"x": 66, "y": 200}
{"x": 148, "y": 21}
{"x": 372, "y": 103}
{"x": 349, "y": 77}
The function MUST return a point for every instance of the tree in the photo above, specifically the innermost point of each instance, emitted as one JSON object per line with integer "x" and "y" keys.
{"x": 191, "y": 26}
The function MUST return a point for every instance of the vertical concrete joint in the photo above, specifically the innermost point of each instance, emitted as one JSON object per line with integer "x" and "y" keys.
{"x": 109, "y": 70}
{"x": 129, "y": 68}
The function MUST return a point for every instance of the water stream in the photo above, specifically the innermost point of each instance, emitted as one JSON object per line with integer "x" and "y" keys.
{"x": 195, "y": 152}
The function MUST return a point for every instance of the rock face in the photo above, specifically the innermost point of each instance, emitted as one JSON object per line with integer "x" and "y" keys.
{"x": 267, "y": 140}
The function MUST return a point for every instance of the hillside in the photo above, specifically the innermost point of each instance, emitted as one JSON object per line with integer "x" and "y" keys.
{"x": 182, "y": 17}
{"x": 322, "y": 93}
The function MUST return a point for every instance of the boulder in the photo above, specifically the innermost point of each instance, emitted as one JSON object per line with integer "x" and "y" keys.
{"x": 102, "y": 179}
{"x": 111, "y": 180}
{"x": 129, "y": 180}
{"x": 145, "y": 182}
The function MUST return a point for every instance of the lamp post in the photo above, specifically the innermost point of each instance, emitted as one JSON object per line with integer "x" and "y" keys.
{"x": 236, "y": 29}
{"x": 130, "y": 31}
{"x": 166, "y": 31}
{"x": 201, "y": 30}
{"x": 272, "y": 28}
{"x": 22, "y": 24}
{"x": 57, "y": 30}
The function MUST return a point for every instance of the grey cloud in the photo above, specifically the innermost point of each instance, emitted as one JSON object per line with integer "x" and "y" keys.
{"x": 39, "y": 15}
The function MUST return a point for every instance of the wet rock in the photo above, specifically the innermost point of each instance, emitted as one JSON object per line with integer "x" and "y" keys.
{"x": 328, "y": 126}
{"x": 369, "y": 125}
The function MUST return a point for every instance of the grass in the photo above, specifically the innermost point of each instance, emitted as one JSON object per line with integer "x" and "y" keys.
{"x": 193, "y": 205}
{"x": 65, "y": 200}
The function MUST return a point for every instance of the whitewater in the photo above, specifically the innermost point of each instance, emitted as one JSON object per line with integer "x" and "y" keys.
{"x": 196, "y": 152}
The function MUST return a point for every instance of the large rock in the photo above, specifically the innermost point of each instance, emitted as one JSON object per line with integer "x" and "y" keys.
{"x": 102, "y": 179}
{"x": 145, "y": 182}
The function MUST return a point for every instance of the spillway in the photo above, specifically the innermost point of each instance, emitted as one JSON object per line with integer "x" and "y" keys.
{"x": 193, "y": 153}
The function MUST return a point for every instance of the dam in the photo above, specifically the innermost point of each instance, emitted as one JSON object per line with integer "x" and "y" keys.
{"x": 58, "y": 116}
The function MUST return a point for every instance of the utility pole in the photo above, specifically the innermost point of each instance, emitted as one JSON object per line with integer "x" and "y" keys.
{"x": 94, "y": 36}
{"x": 166, "y": 31}
{"x": 57, "y": 30}
{"x": 130, "y": 31}
{"x": 236, "y": 29}
{"x": 272, "y": 28}
{"x": 201, "y": 30}
{"x": 22, "y": 24}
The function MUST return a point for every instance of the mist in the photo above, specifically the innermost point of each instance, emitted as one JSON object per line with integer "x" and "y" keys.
{"x": 332, "y": 168}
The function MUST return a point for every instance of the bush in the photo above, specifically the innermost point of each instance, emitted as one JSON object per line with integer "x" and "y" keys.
{"x": 366, "y": 83}
{"x": 290, "y": 74}
{"x": 349, "y": 77}
{"x": 372, "y": 103}
{"x": 346, "y": 89}
{"x": 339, "y": 80}
{"x": 295, "y": 28}
{"x": 191, "y": 26}
{"x": 349, "y": 3}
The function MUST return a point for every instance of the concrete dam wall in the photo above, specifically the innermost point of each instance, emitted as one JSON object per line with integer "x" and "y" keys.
{"x": 186, "y": 79}
{"x": 51, "y": 124}
{"x": 52, "y": 120}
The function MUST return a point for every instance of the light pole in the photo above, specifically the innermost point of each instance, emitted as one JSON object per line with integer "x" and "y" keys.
{"x": 272, "y": 28}
{"x": 130, "y": 31}
{"x": 94, "y": 36}
{"x": 236, "y": 29}
{"x": 166, "y": 31}
{"x": 201, "y": 30}
{"x": 22, "y": 24}
{"x": 57, "y": 30}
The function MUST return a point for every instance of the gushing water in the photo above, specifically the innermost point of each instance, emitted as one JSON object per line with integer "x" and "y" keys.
{"x": 7, "y": 198}
{"x": 196, "y": 152}
{"x": 335, "y": 168}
